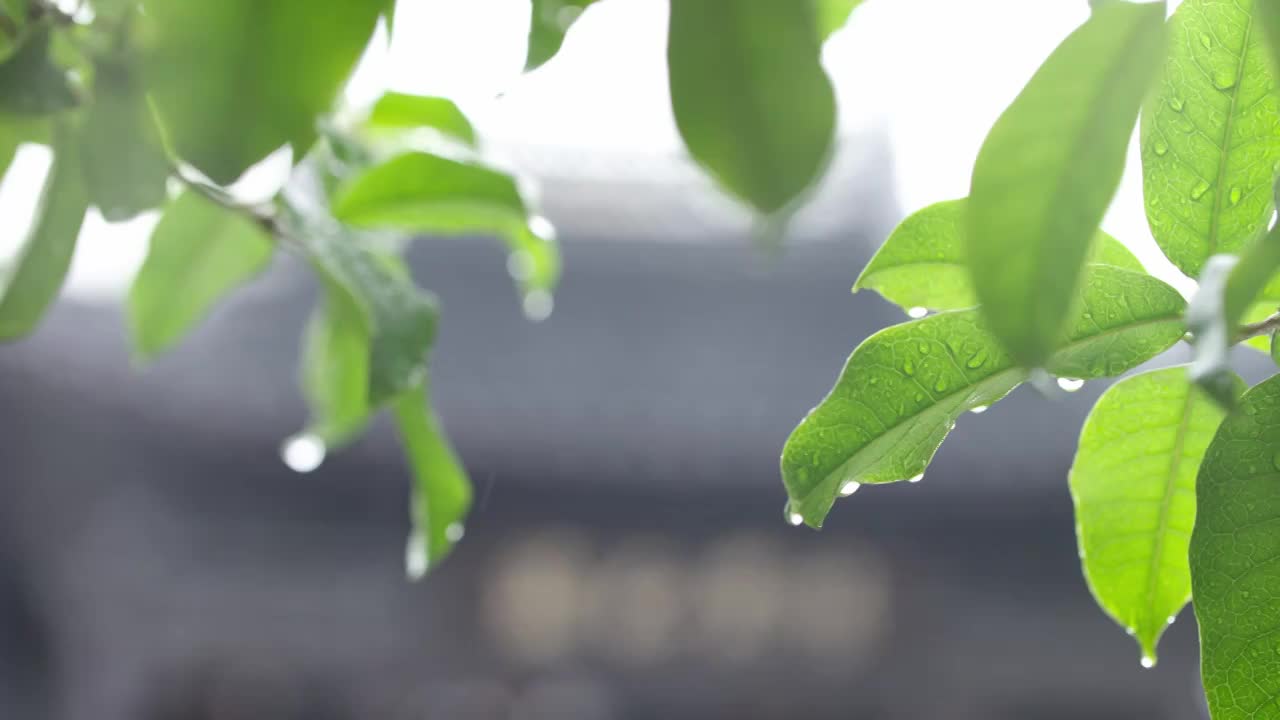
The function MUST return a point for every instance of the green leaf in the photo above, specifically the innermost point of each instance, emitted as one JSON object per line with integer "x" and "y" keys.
{"x": 424, "y": 192}
{"x": 14, "y": 131}
{"x": 833, "y": 14}
{"x": 13, "y": 26}
{"x": 1252, "y": 277}
{"x": 1212, "y": 333}
{"x": 758, "y": 115}
{"x": 904, "y": 387}
{"x": 31, "y": 83}
{"x": 200, "y": 251}
{"x": 548, "y": 24}
{"x": 441, "y": 489}
{"x": 234, "y": 80}
{"x": 1211, "y": 135}
{"x": 124, "y": 162}
{"x": 335, "y": 368}
{"x": 398, "y": 318}
{"x": 1133, "y": 484}
{"x": 401, "y": 111}
{"x": 34, "y": 280}
{"x": 922, "y": 263}
{"x": 1048, "y": 169}
{"x": 1234, "y": 552}
{"x": 389, "y": 15}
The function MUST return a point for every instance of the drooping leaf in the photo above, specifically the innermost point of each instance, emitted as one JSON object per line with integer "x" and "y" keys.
{"x": 234, "y": 80}
{"x": 750, "y": 97}
{"x": 402, "y": 111}
{"x": 1252, "y": 277}
{"x": 904, "y": 387}
{"x": 1235, "y": 550}
{"x": 1048, "y": 169}
{"x": 124, "y": 163}
{"x": 399, "y": 319}
{"x": 389, "y": 15}
{"x": 32, "y": 283}
{"x": 1133, "y": 484}
{"x": 1211, "y": 135}
{"x": 833, "y": 14}
{"x": 200, "y": 251}
{"x": 335, "y": 369}
{"x": 424, "y": 192}
{"x": 548, "y": 24}
{"x": 31, "y": 83}
{"x": 441, "y": 488}
{"x": 922, "y": 263}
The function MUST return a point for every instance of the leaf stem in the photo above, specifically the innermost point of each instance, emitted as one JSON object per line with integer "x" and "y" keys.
{"x": 1262, "y": 327}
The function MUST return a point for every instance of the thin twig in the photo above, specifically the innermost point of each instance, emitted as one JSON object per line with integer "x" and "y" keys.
{"x": 1262, "y": 327}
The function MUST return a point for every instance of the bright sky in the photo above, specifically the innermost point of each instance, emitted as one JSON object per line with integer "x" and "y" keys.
{"x": 936, "y": 87}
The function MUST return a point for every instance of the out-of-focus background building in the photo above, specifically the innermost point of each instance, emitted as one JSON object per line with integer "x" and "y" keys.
{"x": 627, "y": 557}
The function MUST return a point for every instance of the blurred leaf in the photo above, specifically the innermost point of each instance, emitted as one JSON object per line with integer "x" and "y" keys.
{"x": 441, "y": 488}
{"x": 335, "y": 368}
{"x": 389, "y": 14}
{"x": 1048, "y": 169}
{"x": 1234, "y": 553}
{"x": 903, "y": 389}
{"x": 1249, "y": 279}
{"x": 833, "y": 14}
{"x": 922, "y": 263}
{"x": 123, "y": 159}
{"x": 31, "y": 83}
{"x": 13, "y": 26}
{"x": 399, "y": 319}
{"x": 200, "y": 251}
{"x": 1133, "y": 484}
{"x": 535, "y": 256}
{"x": 32, "y": 283}
{"x": 234, "y": 80}
{"x": 548, "y": 24}
{"x": 750, "y": 97}
{"x": 398, "y": 110}
{"x": 14, "y": 131}
{"x": 1212, "y": 332}
{"x": 1211, "y": 135}
{"x": 423, "y": 192}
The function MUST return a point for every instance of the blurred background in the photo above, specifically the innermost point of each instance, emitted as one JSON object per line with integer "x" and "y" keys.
{"x": 627, "y": 557}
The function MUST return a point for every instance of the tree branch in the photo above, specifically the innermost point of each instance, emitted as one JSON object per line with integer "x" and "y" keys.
{"x": 1262, "y": 327}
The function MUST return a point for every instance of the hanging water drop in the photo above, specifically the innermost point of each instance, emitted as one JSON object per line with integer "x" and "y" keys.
{"x": 1070, "y": 384}
{"x": 979, "y": 409}
{"x": 454, "y": 532}
{"x": 303, "y": 452}
{"x": 1148, "y": 662}
{"x": 538, "y": 305}
{"x": 1236, "y": 195}
{"x": 417, "y": 559}
{"x": 849, "y": 488}
{"x": 916, "y": 313}
{"x": 1199, "y": 190}
{"x": 794, "y": 518}
{"x": 520, "y": 265}
{"x": 916, "y": 478}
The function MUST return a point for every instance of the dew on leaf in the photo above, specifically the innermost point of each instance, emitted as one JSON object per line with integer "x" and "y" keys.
{"x": 976, "y": 360}
{"x": 1175, "y": 104}
{"x": 916, "y": 478}
{"x": 849, "y": 488}
{"x": 416, "y": 558}
{"x": 1199, "y": 190}
{"x": 1070, "y": 384}
{"x": 1148, "y": 662}
{"x": 794, "y": 519}
{"x": 303, "y": 453}
{"x": 454, "y": 532}
{"x": 1224, "y": 79}
{"x": 1206, "y": 41}
{"x": 538, "y": 305}
{"x": 979, "y": 409}
{"x": 1235, "y": 195}
{"x": 941, "y": 385}
{"x": 908, "y": 367}
{"x": 916, "y": 313}
{"x": 1160, "y": 146}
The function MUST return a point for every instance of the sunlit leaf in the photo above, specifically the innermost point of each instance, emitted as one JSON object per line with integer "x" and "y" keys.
{"x": 200, "y": 252}
{"x": 441, "y": 488}
{"x": 922, "y": 263}
{"x": 758, "y": 115}
{"x": 1235, "y": 552}
{"x": 833, "y": 14}
{"x": 32, "y": 283}
{"x": 13, "y": 26}
{"x": 234, "y": 80}
{"x": 402, "y": 111}
{"x": 549, "y": 22}
{"x": 904, "y": 387}
{"x": 1211, "y": 135}
{"x": 31, "y": 83}
{"x": 1048, "y": 169}
{"x": 1133, "y": 483}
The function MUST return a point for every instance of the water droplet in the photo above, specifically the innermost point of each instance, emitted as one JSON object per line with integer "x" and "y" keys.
{"x": 917, "y": 312}
{"x": 873, "y": 381}
{"x": 923, "y": 347}
{"x": 417, "y": 559}
{"x": 1199, "y": 190}
{"x": 520, "y": 265}
{"x": 454, "y": 532}
{"x": 1171, "y": 619}
{"x": 1175, "y": 104}
{"x": 1130, "y": 631}
{"x": 908, "y": 367}
{"x": 542, "y": 227}
{"x": 1224, "y": 79}
{"x": 794, "y": 518}
{"x": 1070, "y": 384}
{"x": 303, "y": 452}
{"x": 916, "y": 478}
{"x": 1236, "y": 195}
{"x": 1206, "y": 41}
{"x": 849, "y": 488}
{"x": 1160, "y": 146}
{"x": 979, "y": 409}
{"x": 1148, "y": 662}
{"x": 538, "y": 305}
{"x": 941, "y": 385}
{"x": 976, "y": 360}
